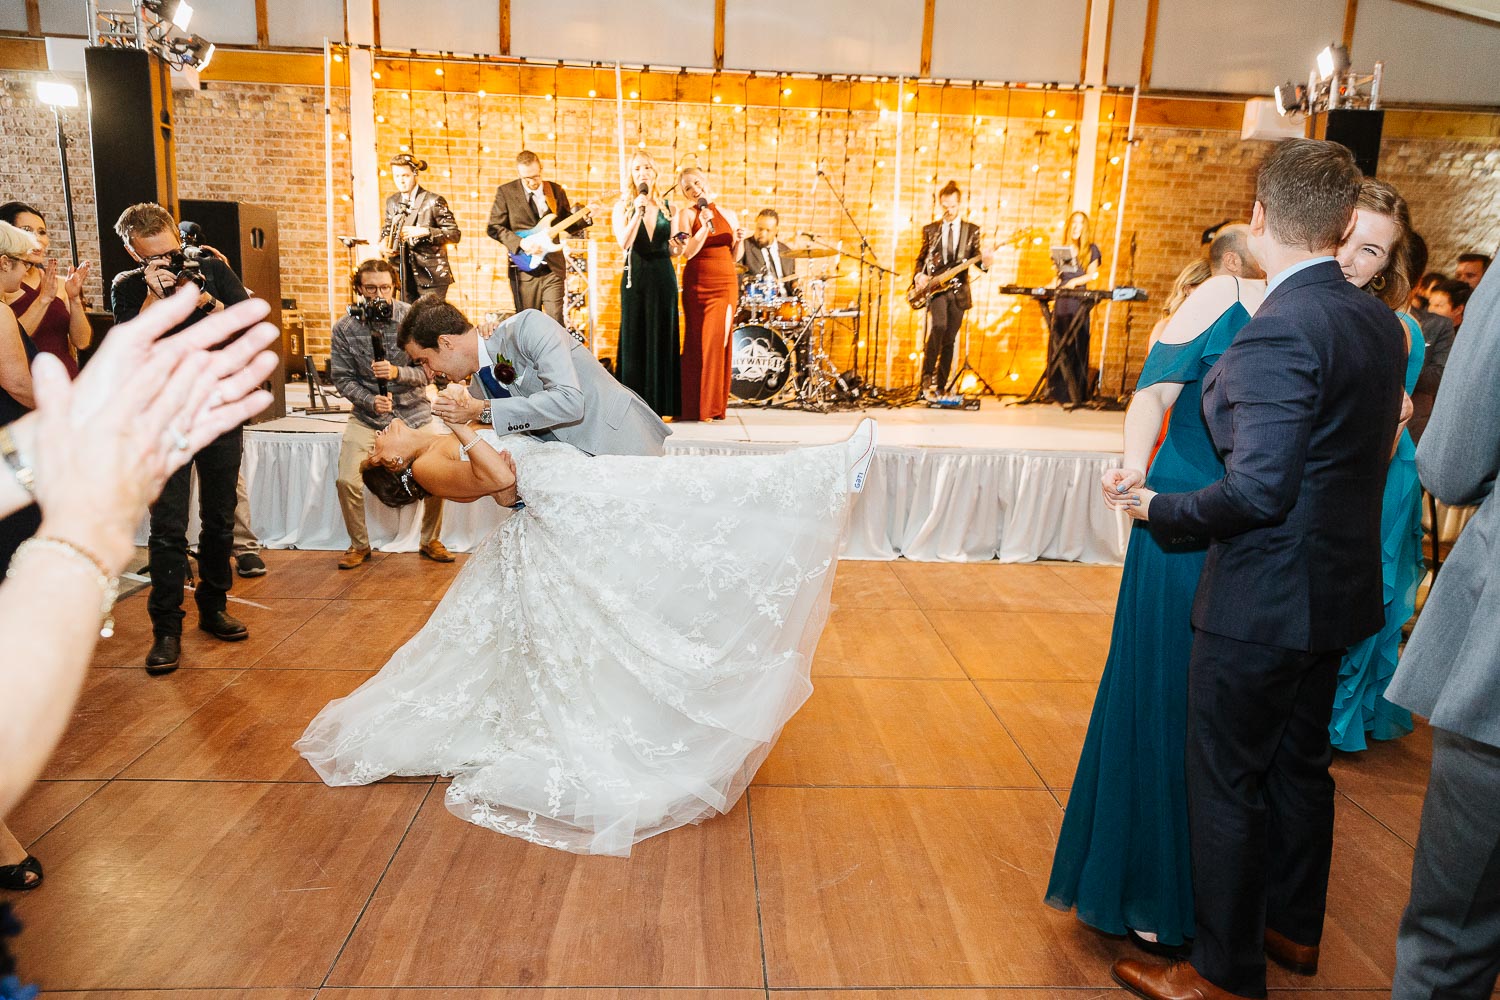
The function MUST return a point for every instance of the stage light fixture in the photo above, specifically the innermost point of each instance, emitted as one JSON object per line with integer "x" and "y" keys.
{"x": 1333, "y": 60}
{"x": 178, "y": 12}
{"x": 193, "y": 52}
{"x": 56, "y": 94}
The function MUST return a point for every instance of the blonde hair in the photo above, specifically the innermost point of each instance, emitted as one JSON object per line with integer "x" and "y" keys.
{"x": 640, "y": 155}
{"x": 16, "y": 242}
{"x": 1188, "y": 279}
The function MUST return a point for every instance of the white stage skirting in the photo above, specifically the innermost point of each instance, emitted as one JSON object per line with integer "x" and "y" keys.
{"x": 1007, "y": 483}
{"x": 1011, "y": 483}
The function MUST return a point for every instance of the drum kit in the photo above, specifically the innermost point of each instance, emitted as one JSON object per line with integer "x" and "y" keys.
{"x": 779, "y": 353}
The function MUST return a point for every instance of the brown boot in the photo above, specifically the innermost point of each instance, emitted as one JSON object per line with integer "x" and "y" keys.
{"x": 1291, "y": 956}
{"x": 354, "y": 557}
{"x": 1178, "y": 981}
{"x": 436, "y": 551}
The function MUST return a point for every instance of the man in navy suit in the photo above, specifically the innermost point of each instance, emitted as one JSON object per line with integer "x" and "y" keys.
{"x": 1304, "y": 407}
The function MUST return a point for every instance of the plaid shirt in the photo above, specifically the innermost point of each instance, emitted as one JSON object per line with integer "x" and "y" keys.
{"x": 351, "y": 363}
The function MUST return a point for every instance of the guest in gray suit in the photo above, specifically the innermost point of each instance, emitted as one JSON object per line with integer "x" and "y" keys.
{"x": 536, "y": 379}
{"x": 1449, "y": 943}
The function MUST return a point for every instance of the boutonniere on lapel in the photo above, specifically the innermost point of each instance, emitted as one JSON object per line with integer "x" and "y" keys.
{"x": 505, "y": 372}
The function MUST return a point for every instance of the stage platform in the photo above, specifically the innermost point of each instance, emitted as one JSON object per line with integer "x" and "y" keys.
{"x": 1007, "y": 482}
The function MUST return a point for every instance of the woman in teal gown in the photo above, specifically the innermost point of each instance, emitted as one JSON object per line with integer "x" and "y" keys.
{"x": 1122, "y": 855}
{"x": 1359, "y": 705}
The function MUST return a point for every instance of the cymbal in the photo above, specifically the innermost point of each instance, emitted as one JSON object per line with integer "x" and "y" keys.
{"x": 805, "y": 252}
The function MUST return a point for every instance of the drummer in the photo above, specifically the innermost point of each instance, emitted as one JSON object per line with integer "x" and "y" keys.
{"x": 763, "y": 255}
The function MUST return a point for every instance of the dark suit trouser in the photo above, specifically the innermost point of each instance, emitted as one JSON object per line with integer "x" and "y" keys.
{"x": 1260, "y": 801}
{"x": 944, "y": 317}
{"x": 218, "y": 466}
{"x": 1448, "y": 947}
{"x": 542, "y": 291}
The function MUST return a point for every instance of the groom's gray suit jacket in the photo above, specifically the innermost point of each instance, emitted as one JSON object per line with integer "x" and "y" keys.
{"x": 562, "y": 390}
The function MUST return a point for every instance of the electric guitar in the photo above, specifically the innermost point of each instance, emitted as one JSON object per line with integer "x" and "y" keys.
{"x": 547, "y": 231}
{"x": 944, "y": 281}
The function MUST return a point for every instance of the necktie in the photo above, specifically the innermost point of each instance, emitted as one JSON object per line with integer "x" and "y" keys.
{"x": 952, "y": 241}
{"x": 775, "y": 260}
{"x": 492, "y": 384}
{"x": 540, "y": 200}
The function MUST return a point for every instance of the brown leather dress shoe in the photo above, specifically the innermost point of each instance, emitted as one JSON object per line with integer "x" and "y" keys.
{"x": 437, "y": 552}
{"x": 354, "y": 557}
{"x": 1291, "y": 956}
{"x": 1178, "y": 981}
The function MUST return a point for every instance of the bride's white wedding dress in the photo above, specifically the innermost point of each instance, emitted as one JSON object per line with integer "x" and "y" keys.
{"x": 617, "y": 658}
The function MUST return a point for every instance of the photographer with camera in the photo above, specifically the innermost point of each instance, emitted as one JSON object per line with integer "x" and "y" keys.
{"x": 150, "y": 235}
{"x": 376, "y": 376}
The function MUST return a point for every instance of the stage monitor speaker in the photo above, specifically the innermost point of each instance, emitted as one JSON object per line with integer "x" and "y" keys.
{"x": 130, "y": 136}
{"x": 1359, "y": 132}
{"x": 247, "y": 236}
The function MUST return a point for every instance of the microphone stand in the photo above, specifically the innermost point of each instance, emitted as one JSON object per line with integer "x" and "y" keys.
{"x": 867, "y": 262}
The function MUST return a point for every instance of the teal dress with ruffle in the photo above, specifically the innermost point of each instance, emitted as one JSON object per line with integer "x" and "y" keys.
{"x": 1122, "y": 855}
{"x": 1359, "y": 706}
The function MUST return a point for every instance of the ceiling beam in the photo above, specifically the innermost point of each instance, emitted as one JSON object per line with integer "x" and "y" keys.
{"x": 505, "y": 27}
{"x": 929, "y": 15}
{"x": 1148, "y": 43}
{"x": 1351, "y": 11}
{"x": 262, "y": 25}
{"x": 718, "y": 34}
{"x": 1083, "y": 59}
{"x": 33, "y": 17}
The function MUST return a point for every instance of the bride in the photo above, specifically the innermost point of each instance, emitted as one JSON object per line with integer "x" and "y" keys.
{"x": 616, "y": 659}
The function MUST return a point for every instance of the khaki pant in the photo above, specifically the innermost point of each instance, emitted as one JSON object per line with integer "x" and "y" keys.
{"x": 359, "y": 441}
{"x": 244, "y": 538}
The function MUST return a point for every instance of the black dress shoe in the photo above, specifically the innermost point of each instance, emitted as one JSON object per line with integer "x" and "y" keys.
{"x": 165, "y": 654}
{"x": 222, "y": 625}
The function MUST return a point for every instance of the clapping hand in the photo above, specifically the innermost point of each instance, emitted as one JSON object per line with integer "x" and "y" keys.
{"x": 76, "y": 278}
{"x": 105, "y": 443}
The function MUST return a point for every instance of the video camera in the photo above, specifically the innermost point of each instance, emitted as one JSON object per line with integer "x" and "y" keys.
{"x": 371, "y": 311}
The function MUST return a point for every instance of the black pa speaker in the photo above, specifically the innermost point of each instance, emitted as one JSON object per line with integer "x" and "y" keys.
{"x": 1359, "y": 132}
{"x": 130, "y": 136}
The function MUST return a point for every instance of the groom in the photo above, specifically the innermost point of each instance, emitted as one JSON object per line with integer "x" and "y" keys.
{"x": 1303, "y": 407}
{"x": 535, "y": 378}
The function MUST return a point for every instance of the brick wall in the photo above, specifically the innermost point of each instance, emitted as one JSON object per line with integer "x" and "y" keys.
{"x": 264, "y": 143}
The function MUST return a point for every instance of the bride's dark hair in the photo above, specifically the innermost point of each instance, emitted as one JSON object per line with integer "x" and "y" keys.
{"x": 394, "y": 489}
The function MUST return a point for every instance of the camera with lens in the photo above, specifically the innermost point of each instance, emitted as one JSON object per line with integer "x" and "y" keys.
{"x": 187, "y": 265}
{"x": 371, "y": 311}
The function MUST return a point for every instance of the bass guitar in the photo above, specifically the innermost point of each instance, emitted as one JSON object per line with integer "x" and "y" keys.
{"x": 547, "y": 231}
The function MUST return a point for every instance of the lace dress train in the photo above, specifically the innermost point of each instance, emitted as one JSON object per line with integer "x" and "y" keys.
{"x": 616, "y": 659}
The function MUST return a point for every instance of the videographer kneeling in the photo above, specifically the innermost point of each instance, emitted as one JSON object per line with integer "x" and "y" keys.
{"x": 377, "y": 377}
{"x": 150, "y": 234}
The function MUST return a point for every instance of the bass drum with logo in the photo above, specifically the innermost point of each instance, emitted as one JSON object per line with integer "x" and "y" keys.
{"x": 761, "y": 364}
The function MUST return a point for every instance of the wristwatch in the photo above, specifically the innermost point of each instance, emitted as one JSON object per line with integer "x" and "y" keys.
{"x": 484, "y": 414}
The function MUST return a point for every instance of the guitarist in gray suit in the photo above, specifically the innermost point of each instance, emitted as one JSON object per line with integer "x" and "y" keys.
{"x": 535, "y": 379}
{"x": 946, "y": 243}
{"x": 1449, "y": 943}
{"x": 519, "y": 205}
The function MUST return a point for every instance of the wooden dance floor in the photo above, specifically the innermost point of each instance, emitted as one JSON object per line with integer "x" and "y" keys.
{"x": 896, "y": 844}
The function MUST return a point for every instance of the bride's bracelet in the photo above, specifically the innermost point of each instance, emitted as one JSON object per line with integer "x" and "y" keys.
{"x": 109, "y": 584}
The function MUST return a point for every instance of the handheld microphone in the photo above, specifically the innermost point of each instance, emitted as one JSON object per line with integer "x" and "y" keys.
{"x": 709, "y": 225}
{"x": 643, "y": 188}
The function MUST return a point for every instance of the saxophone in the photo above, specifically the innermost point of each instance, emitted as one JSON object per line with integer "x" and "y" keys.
{"x": 390, "y": 236}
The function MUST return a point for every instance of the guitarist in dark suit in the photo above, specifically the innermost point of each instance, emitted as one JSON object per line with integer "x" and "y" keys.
{"x": 519, "y": 205}
{"x": 946, "y": 243}
{"x": 416, "y": 232}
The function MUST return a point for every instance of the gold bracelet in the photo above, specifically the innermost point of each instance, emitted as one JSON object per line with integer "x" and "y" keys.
{"x": 109, "y": 585}
{"x": 18, "y": 464}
